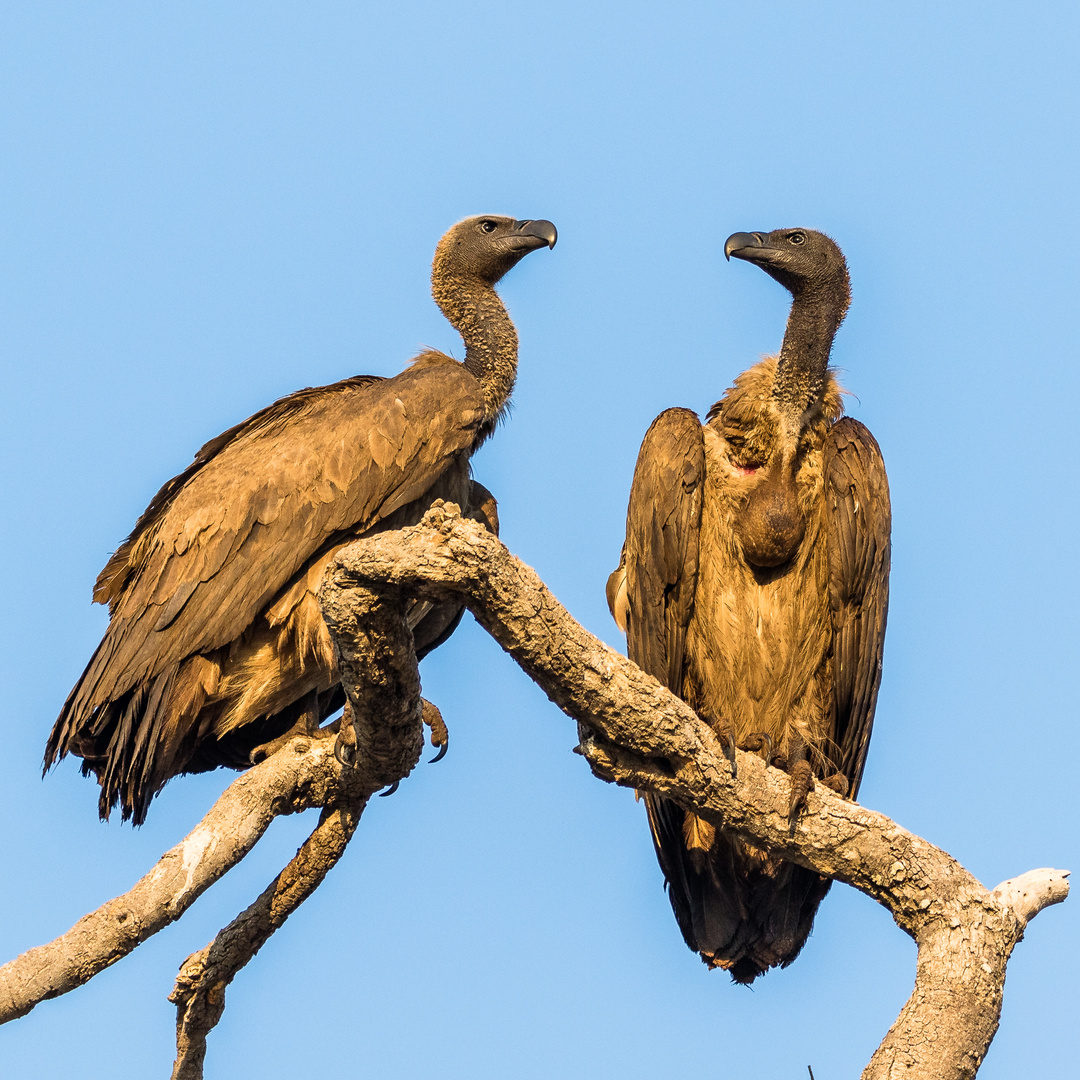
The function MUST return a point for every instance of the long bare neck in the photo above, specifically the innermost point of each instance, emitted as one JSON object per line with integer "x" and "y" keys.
{"x": 491, "y": 343}
{"x": 802, "y": 369}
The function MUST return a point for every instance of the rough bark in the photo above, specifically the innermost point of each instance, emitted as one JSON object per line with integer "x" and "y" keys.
{"x": 635, "y": 733}
{"x": 382, "y": 736}
{"x": 631, "y": 730}
{"x": 303, "y": 774}
{"x": 199, "y": 994}
{"x": 376, "y": 651}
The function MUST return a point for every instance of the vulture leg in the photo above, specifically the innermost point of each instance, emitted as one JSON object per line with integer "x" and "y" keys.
{"x": 440, "y": 737}
{"x": 307, "y": 723}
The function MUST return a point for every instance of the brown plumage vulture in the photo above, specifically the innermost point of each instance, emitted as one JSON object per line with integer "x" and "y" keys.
{"x": 216, "y": 645}
{"x": 754, "y": 584}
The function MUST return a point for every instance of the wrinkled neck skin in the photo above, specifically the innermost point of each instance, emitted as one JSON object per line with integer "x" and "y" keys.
{"x": 771, "y": 524}
{"x": 474, "y": 309}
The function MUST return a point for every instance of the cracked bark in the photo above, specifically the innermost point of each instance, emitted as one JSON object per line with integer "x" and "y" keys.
{"x": 631, "y": 730}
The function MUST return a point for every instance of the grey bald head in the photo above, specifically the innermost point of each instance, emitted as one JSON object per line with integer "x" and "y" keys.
{"x": 488, "y": 246}
{"x": 802, "y": 260}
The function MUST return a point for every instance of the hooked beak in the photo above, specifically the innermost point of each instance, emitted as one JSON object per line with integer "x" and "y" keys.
{"x": 748, "y": 246}
{"x": 540, "y": 230}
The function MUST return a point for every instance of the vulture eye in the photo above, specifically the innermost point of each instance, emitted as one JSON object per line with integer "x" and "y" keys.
{"x": 488, "y": 226}
{"x": 797, "y": 238}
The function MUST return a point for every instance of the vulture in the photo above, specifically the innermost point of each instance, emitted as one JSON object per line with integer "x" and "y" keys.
{"x": 216, "y": 647}
{"x": 753, "y": 583}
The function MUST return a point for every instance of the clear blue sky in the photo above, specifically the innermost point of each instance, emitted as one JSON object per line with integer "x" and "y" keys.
{"x": 206, "y": 206}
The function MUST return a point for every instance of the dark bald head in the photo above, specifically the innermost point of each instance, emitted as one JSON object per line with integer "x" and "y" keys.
{"x": 486, "y": 247}
{"x": 802, "y": 260}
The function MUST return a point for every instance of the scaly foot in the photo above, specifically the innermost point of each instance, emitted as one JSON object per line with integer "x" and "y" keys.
{"x": 794, "y": 763}
{"x": 757, "y": 742}
{"x": 440, "y": 737}
{"x": 838, "y": 782}
{"x": 345, "y": 744}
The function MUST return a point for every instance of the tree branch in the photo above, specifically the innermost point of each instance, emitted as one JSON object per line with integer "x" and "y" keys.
{"x": 635, "y": 733}
{"x": 376, "y": 651}
{"x": 199, "y": 993}
{"x": 304, "y": 774}
{"x": 631, "y": 730}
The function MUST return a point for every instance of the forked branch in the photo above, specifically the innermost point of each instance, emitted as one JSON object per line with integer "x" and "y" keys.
{"x": 199, "y": 994}
{"x": 631, "y": 730}
{"x": 635, "y": 733}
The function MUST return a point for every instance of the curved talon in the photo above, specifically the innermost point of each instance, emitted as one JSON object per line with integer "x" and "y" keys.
{"x": 390, "y": 790}
{"x": 440, "y": 737}
{"x": 345, "y": 751}
{"x": 345, "y": 743}
{"x": 759, "y": 740}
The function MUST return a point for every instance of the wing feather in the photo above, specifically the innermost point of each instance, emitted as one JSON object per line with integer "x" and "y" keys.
{"x": 222, "y": 539}
{"x": 660, "y": 557}
{"x": 652, "y": 596}
{"x": 858, "y": 520}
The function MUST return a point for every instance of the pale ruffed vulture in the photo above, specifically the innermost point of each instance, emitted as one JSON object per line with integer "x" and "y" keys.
{"x": 216, "y": 646}
{"x": 754, "y": 584}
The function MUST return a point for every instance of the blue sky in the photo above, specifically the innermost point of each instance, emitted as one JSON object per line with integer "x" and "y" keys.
{"x": 207, "y": 206}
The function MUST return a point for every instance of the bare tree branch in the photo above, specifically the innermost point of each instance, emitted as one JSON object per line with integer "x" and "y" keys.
{"x": 631, "y": 730}
{"x": 199, "y": 993}
{"x": 305, "y": 774}
{"x": 634, "y": 732}
{"x": 376, "y": 653}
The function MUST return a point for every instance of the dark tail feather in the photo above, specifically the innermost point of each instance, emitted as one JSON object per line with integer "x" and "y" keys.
{"x": 740, "y": 912}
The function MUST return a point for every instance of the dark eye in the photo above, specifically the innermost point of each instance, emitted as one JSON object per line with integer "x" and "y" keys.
{"x": 488, "y": 226}
{"x": 797, "y": 238}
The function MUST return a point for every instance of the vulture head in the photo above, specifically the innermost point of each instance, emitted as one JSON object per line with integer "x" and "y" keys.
{"x": 805, "y": 262}
{"x": 487, "y": 247}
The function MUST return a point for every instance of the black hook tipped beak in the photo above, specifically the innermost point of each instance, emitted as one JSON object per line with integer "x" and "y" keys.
{"x": 739, "y": 242}
{"x": 541, "y": 229}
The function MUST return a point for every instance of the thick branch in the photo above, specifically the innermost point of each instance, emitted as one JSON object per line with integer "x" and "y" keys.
{"x": 635, "y": 733}
{"x": 382, "y": 729}
{"x": 199, "y": 994}
{"x": 632, "y": 732}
